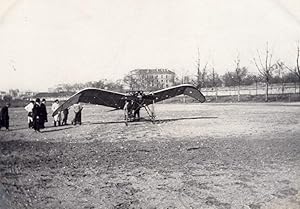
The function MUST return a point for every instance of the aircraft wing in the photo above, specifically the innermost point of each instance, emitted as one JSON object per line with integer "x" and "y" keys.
{"x": 174, "y": 91}
{"x": 94, "y": 96}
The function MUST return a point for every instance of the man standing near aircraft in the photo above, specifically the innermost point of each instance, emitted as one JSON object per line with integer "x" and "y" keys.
{"x": 77, "y": 110}
{"x": 127, "y": 108}
{"x": 29, "y": 108}
{"x": 137, "y": 105}
{"x": 65, "y": 118}
{"x": 56, "y": 117}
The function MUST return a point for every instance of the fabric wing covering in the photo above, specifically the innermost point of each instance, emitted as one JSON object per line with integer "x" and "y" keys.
{"x": 94, "y": 96}
{"x": 174, "y": 91}
{"x": 116, "y": 100}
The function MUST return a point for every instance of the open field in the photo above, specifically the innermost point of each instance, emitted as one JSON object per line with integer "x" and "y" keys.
{"x": 195, "y": 156}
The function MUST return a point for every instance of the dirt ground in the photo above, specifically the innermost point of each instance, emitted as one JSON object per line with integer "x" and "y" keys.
{"x": 195, "y": 156}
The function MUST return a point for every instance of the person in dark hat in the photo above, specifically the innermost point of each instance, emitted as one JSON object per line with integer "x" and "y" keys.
{"x": 43, "y": 118}
{"x": 5, "y": 117}
{"x": 36, "y": 115}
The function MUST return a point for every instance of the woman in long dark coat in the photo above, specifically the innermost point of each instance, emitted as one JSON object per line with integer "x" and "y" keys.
{"x": 5, "y": 117}
{"x": 43, "y": 117}
{"x": 36, "y": 115}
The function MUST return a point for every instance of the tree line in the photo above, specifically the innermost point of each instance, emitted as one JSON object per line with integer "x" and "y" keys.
{"x": 269, "y": 71}
{"x": 206, "y": 78}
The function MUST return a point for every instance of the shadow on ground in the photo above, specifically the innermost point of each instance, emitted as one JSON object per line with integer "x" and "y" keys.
{"x": 148, "y": 120}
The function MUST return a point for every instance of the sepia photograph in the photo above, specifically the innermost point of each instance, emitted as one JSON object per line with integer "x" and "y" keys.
{"x": 149, "y": 104}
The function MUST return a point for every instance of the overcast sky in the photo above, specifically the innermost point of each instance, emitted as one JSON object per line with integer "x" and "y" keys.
{"x": 47, "y": 42}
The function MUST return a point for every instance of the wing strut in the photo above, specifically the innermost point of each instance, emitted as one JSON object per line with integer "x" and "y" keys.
{"x": 151, "y": 111}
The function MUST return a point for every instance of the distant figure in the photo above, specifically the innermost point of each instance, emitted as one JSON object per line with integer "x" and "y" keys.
{"x": 77, "y": 110}
{"x": 125, "y": 108}
{"x": 44, "y": 113}
{"x": 29, "y": 108}
{"x": 137, "y": 106}
{"x": 65, "y": 119}
{"x": 136, "y": 114}
{"x": 5, "y": 117}
{"x": 126, "y": 104}
{"x": 130, "y": 108}
{"x": 140, "y": 96}
{"x": 136, "y": 111}
{"x": 56, "y": 117}
{"x": 36, "y": 115}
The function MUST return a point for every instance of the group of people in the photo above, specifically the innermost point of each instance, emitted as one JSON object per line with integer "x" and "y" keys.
{"x": 133, "y": 107}
{"x": 37, "y": 114}
{"x": 59, "y": 120}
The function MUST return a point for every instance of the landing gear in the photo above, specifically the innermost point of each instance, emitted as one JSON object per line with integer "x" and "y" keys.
{"x": 130, "y": 114}
{"x": 126, "y": 117}
{"x": 151, "y": 113}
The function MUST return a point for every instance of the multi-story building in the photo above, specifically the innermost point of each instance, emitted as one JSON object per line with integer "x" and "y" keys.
{"x": 151, "y": 79}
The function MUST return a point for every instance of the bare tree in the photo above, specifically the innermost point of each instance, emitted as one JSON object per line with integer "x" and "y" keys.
{"x": 201, "y": 76}
{"x": 214, "y": 81}
{"x": 198, "y": 72}
{"x": 265, "y": 68}
{"x": 256, "y": 80}
{"x": 228, "y": 79}
{"x": 67, "y": 87}
{"x": 114, "y": 86}
{"x": 240, "y": 74}
{"x": 279, "y": 77}
{"x": 143, "y": 81}
{"x": 14, "y": 92}
{"x": 132, "y": 82}
{"x": 213, "y": 77}
{"x": 7, "y": 98}
{"x": 295, "y": 70}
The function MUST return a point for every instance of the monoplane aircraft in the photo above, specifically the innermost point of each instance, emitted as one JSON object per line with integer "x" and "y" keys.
{"x": 130, "y": 102}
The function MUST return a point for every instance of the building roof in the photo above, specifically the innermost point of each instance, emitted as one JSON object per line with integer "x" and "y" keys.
{"x": 152, "y": 71}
